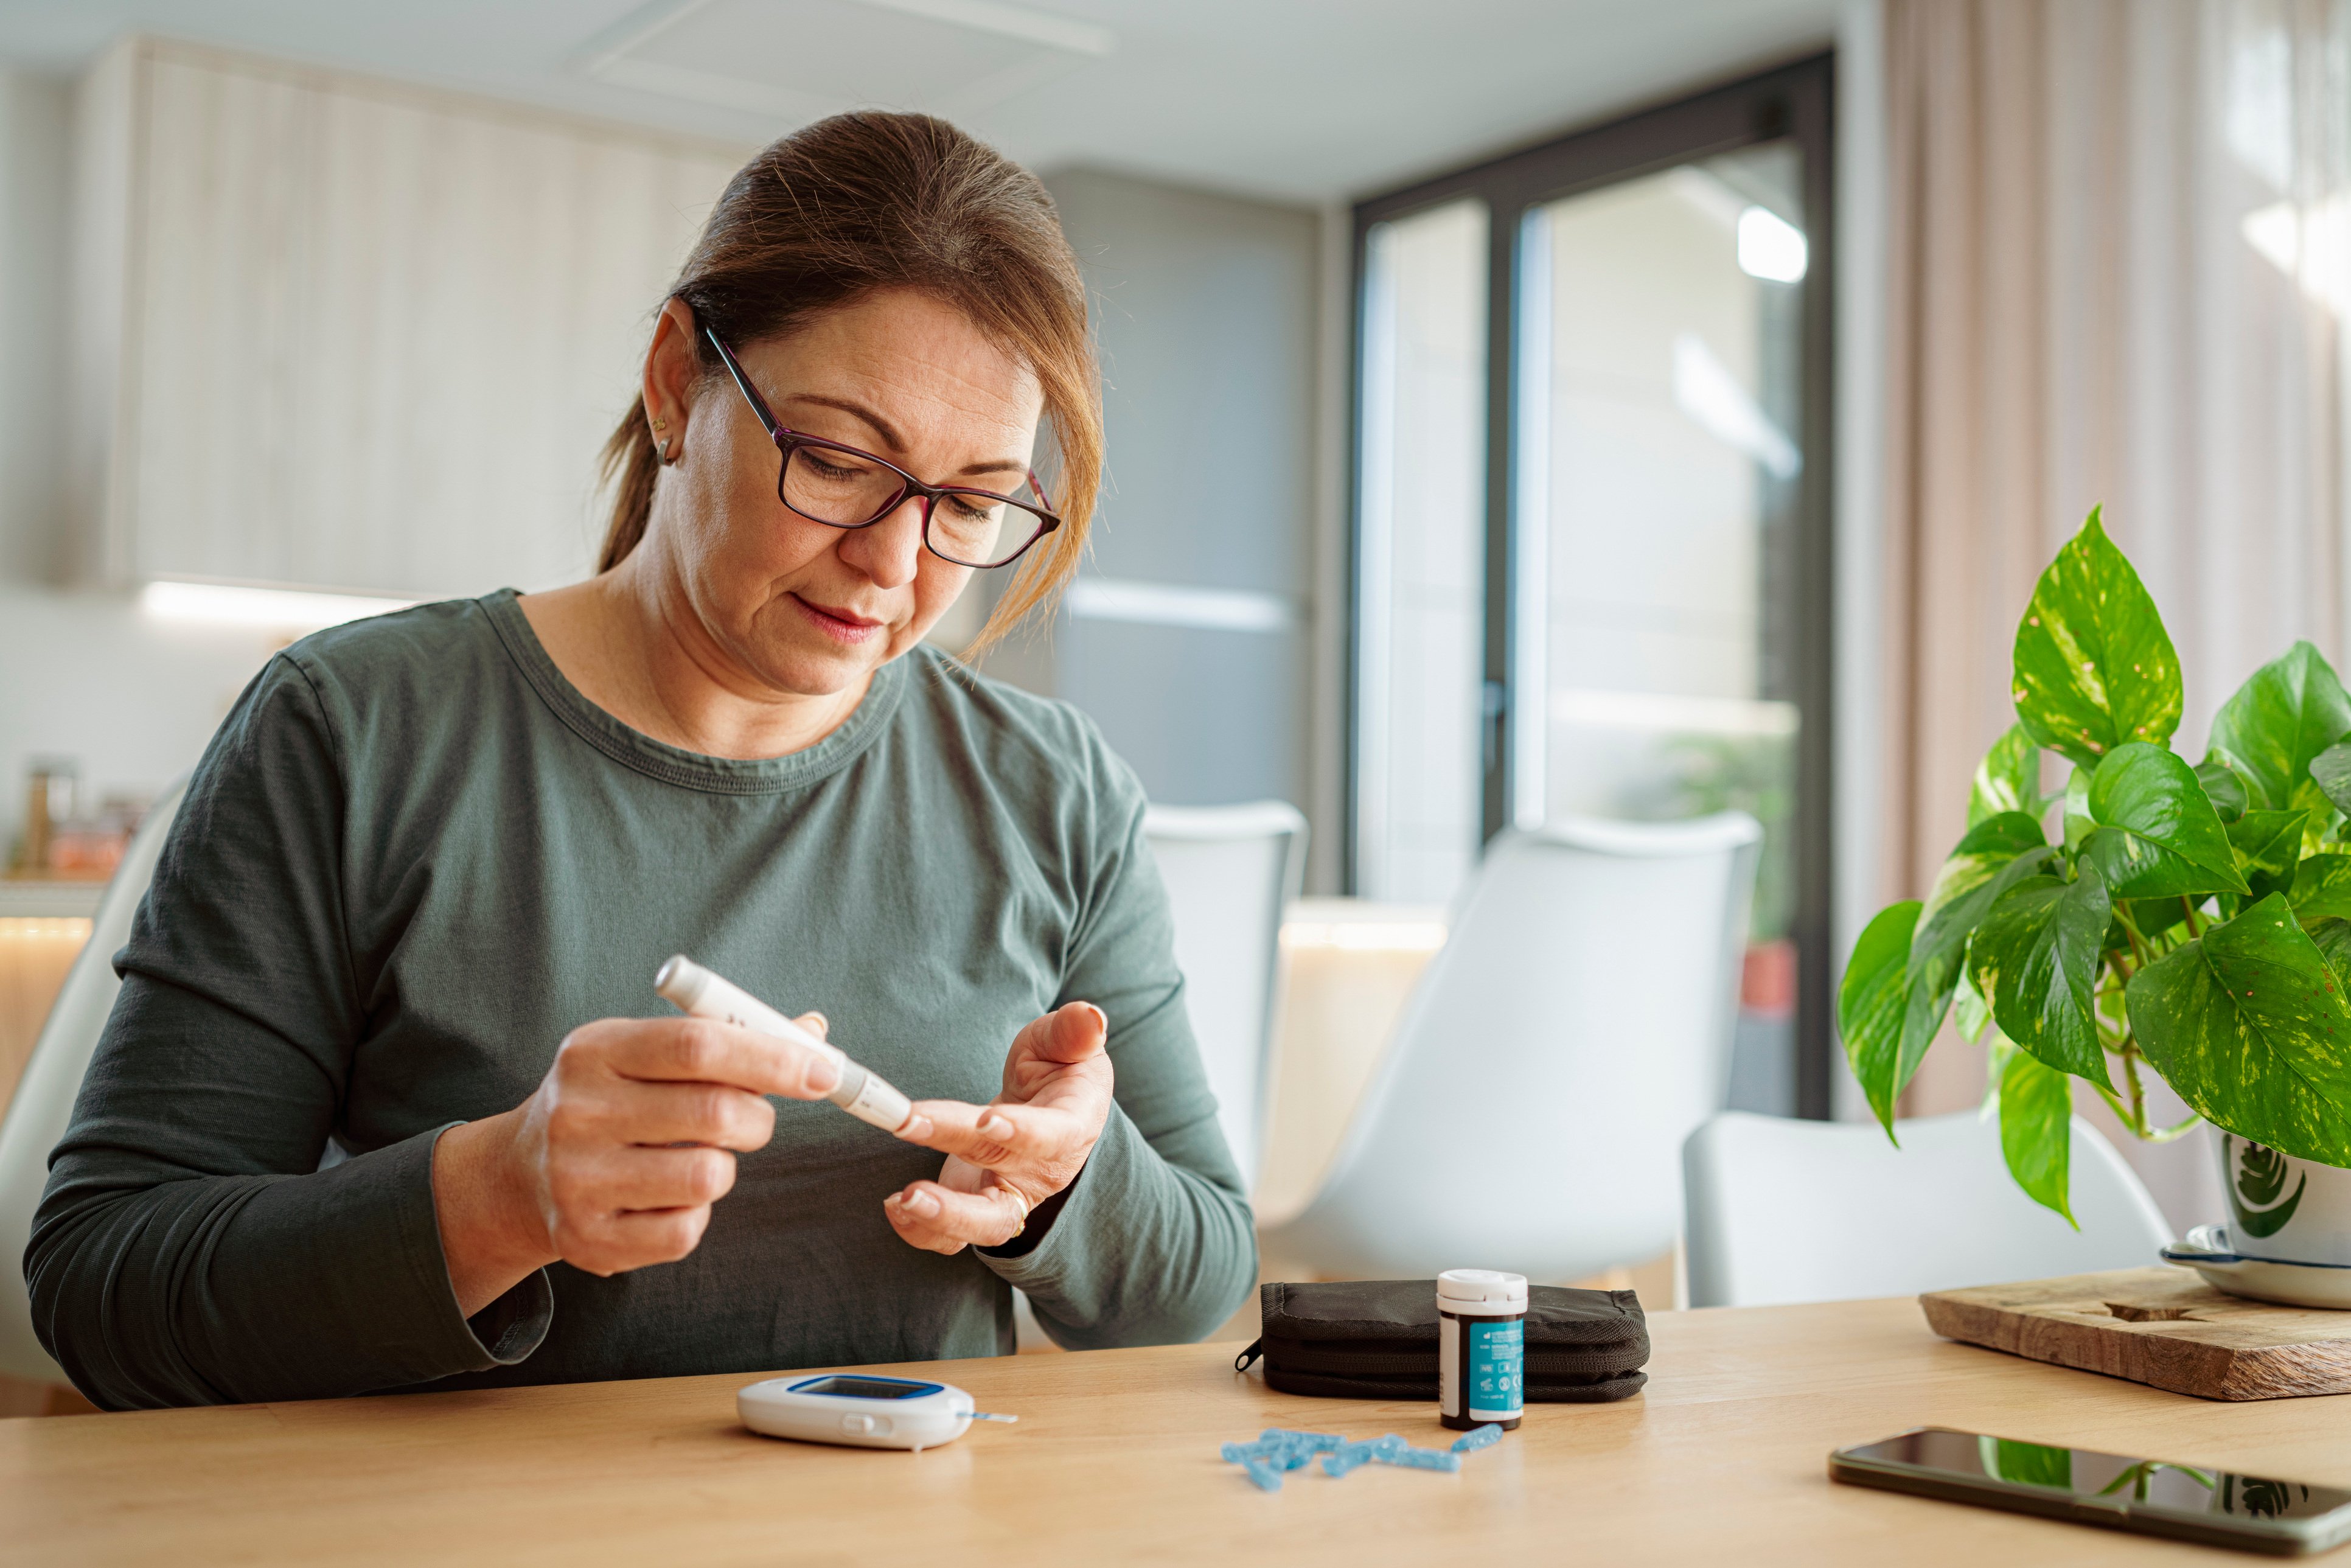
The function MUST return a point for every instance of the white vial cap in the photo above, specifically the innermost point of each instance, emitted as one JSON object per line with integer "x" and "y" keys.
{"x": 1481, "y": 1285}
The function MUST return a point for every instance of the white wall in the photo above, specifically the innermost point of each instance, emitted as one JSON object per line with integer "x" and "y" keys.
{"x": 85, "y": 675}
{"x": 1207, "y": 308}
{"x": 81, "y": 674}
{"x": 89, "y": 676}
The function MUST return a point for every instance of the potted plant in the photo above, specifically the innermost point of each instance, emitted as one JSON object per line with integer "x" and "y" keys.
{"x": 2155, "y": 917}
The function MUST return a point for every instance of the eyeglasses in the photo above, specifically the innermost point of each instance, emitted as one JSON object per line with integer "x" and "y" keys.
{"x": 843, "y": 487}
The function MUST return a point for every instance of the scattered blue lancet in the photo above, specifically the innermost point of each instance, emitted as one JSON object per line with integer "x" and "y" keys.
{"x": 1478, "y": 1437}
{"x": 1278, "y": 1450}
{"x": 1413, "y": 1459}
{"x": 1315, "y": 1442}
{"x": 1349, "y": 1456}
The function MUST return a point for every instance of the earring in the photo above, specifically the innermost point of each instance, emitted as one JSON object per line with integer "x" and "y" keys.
{"x": 666, "y": 446}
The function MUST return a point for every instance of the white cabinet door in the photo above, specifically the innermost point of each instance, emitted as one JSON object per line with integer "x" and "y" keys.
{"x": 373, "y": 337}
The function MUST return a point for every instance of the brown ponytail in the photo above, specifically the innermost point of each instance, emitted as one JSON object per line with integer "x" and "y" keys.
{"x": 870, "y": 201}
{"x": 629, "y": 464}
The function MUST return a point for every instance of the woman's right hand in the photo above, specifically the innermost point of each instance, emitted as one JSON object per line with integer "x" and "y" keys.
{"x": 615, "y": 1161}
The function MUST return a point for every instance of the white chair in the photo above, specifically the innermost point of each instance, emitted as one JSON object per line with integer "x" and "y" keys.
{"x": 1783, "y": 1211}
{"x": 1230, "y": 871}
{"x": 1576, "y": 1025}
{"x": 45, "y": 1094}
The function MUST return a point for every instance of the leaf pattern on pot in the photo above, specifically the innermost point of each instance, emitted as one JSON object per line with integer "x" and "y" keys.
{"x": 2260, "y": 1178}
{"x": 2261, "y": 1175}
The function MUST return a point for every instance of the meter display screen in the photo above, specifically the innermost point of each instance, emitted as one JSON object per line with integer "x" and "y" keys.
{"x": 866, "y": 1387}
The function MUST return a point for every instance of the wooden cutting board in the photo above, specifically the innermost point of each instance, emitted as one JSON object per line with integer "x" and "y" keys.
{"x": 2161, "y": 1326}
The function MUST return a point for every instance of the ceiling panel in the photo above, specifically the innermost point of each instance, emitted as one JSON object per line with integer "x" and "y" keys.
{"x": 1301, "y": 99}
{"x": 795, "y": 57}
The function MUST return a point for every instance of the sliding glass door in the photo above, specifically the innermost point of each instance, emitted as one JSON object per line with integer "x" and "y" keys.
{"x": 1615, "y": 601}
{"x": 1421, "y": 554}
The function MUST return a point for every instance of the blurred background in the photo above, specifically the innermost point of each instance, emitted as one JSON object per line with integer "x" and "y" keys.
{"x": 1519, "y": 411}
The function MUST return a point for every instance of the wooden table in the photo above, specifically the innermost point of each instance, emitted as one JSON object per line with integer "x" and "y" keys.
{"x": 1114, "y": 1461}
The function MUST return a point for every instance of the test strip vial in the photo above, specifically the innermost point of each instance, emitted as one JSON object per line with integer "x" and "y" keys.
{"x": 1481, "y": 1348}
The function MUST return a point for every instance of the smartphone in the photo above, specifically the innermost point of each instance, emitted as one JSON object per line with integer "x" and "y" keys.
{"x": 2151, "y": 1497}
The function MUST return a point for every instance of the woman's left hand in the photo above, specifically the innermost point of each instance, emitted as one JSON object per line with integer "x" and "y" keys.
{"x": 1007, "y": 1156}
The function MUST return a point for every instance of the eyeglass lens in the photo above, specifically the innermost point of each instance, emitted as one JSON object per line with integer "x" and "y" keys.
{"x": 971, "y": 529}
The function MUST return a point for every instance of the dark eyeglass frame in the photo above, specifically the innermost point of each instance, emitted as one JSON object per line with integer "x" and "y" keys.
{"x": 788, "y": 440}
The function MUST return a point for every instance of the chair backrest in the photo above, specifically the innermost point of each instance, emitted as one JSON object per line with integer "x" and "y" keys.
{"x": 1231, "y": 870}
{"x": 1783, "y": 1210}
{"x": 1575, "y": 1027}
{"x": 45, "y": 1094}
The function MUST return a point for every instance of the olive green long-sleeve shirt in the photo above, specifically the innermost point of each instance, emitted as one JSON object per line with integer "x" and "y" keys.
{"x": 415, "y": 856}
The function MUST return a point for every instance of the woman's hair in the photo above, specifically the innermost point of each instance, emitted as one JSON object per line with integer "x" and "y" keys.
{"x": 869, "y": 201}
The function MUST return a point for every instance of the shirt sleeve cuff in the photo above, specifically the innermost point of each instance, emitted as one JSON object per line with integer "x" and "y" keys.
{"x": 433, "y": 1338}
{"x": 1082, "y": 1228}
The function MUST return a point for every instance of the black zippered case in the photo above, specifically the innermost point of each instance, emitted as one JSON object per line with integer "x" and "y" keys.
{"x": 1376, "y": 1339}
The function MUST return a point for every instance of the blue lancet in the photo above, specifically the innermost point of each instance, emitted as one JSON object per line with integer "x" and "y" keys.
{"x": 1478, "y": 1437}
{"x": 1412, "y": 1458}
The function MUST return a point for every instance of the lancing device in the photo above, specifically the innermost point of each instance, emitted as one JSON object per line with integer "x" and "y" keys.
{"x": 697, "y": 992}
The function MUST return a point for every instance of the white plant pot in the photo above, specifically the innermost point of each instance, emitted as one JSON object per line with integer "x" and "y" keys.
{"x": 2288, "y": 1238}
{"x": 2282, "y": 1209}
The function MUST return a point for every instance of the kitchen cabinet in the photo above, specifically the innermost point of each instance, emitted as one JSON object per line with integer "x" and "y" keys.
{"x": 332, "y": 333}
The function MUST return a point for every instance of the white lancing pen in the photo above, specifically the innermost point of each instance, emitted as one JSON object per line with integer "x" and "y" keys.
{"x": 699, "y": 993}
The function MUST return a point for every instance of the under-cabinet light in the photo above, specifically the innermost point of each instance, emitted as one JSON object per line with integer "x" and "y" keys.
{"x": 1365, "y": 935}
{"x": 285, "y": 609}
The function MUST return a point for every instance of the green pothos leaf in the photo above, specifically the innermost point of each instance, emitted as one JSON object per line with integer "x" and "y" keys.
{"x": 2322, "y": 886}
{"x": 1998, "y": 1049}
{"x": 1969, "y": 1012}
{"x": 2224, "y": 786}
{"x": 1870, "y": 1004}
{"x": 2036, "y": 960}
{"x": 2036, "y": 1130}
{"x": 1992, "y": 856}
{"x": 2158, "y": 832}
{"x": 2332, "y": 936}
{"x": 2094, "y": 668}
{"x": 2076, "y": 820}
{"x": 2007, "y": 779}
{"x": 2268, "y": 846}
{"x": 2280, "y": 721}
{"x": 2247, "y": 1024}
{"x": 2153, "y": 916}
{"x": 2331, "y": 771}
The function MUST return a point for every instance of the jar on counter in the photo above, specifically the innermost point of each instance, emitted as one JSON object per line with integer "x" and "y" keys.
{"x": 1481, "y": 1325}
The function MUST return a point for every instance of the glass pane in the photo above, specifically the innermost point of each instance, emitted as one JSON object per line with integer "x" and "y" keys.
{"x": 1421, "y": 662}
{"x": 1662, "y": 342}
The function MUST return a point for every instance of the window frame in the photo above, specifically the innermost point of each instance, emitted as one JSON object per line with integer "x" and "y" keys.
{"x": 1796, "y": 102}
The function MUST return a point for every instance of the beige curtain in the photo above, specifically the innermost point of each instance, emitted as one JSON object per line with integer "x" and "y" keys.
{"x": 2119, "y": 253}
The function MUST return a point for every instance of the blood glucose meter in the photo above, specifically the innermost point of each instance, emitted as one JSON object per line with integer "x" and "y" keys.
{"x": 860, "y": 1411}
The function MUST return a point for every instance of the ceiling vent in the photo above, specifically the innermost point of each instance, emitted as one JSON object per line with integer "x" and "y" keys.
{"x": 799, "y": 60}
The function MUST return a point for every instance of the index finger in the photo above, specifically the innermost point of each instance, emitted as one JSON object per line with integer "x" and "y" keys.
{"x": 988, "y": 1136}
{"x": 706, "y": 1051}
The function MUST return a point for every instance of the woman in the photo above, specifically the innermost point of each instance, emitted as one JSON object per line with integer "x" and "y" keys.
{"x": 379, "y": 1104}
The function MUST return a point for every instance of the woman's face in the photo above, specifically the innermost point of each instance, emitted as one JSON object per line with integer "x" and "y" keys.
{"x": 799, "y": 607}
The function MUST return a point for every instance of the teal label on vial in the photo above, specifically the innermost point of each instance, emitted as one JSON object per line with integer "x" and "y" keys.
{"x": 1498, "y": 1361}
